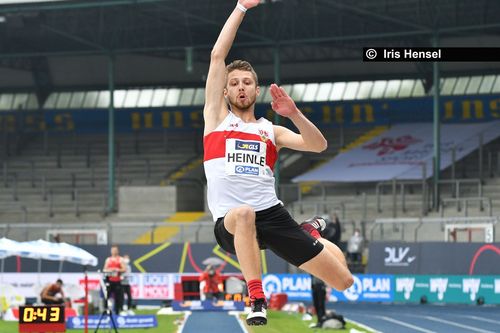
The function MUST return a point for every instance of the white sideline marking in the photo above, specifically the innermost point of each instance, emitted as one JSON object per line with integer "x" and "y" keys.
{"x": 458, "y": 325}
{"x": 186, "y": 316}
{"x": 402, "y": 323}
{"x": 238, "y": 319}
{"x": 486, "y": 320}
{"x": 363, "y": 326}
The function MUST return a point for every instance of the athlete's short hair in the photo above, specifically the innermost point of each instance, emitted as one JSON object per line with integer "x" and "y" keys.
{"x": 242, "y": 65}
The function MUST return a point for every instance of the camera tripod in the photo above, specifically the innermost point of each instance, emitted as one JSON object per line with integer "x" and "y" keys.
{"x": 107, "y": 311}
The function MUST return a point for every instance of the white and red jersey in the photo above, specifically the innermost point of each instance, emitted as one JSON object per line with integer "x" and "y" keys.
{"x": 114, "y": 265}
{"x": 239, "y": 161}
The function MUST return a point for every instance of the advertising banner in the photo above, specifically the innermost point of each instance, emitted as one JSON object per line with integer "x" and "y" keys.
{"x": 143, "y": 286}
{"x": 447, "y": 288}
{"x": 155, "y": 258}
{"x": 454, "y": 109}
{"x": 403, "y": 152}
{"x": 434, "y": 258}
{"x": 140, "y": 321}
{"x": 366, "y": 288}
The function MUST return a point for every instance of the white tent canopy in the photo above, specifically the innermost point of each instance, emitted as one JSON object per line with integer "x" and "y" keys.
{"x": 8, "y": 247}
{"x": 41, "y": 249}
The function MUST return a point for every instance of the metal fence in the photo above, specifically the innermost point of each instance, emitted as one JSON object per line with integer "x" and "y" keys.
{"x": 120, "y": 233}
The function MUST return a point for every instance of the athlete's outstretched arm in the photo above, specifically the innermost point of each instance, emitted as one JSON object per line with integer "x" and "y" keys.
{"x": 310, "y": 137}
{"x": 215, "y": 108}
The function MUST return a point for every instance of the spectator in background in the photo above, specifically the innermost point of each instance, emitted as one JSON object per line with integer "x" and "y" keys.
{"x": 114, "y": 267}
{"x": 355, "y": 247}
{"x": 333, "y": 231}
{"x": 210, "y": 284}
{"x": 126, "y": 283}
{"x": 318, "y": 289}
{"x": 53, "y": 293}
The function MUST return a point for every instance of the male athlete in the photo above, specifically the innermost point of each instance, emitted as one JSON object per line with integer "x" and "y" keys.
{"x": 240, "y": 152}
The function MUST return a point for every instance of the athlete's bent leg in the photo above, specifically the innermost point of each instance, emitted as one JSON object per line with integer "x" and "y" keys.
{"x": 240, "y": 222}
{"x": 330, "y": 266}
{"x": 334, "y": 249}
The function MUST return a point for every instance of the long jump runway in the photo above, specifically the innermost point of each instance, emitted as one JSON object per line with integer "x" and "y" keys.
{"x": 212, "y": 322}
{"x": 403, "y": 318}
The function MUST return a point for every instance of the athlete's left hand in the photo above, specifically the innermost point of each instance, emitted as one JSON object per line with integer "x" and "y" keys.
{"x": 282, "y": 103}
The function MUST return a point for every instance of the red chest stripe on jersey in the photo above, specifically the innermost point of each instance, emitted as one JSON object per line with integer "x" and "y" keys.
{"x": 215, "y": 145}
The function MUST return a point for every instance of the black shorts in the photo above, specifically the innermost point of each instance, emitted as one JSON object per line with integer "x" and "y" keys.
{"x": 277, "y": 231}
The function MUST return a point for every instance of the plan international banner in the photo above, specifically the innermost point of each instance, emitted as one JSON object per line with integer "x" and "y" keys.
{"x": 402, "y": 153}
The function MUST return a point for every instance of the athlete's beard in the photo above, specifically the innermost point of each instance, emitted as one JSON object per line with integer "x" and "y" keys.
{"x": 243, "y": 106}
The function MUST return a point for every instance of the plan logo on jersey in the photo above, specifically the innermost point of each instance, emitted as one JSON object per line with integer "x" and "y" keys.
{"x": 246, "y": 170}
{"x": 247, "y": 145}
{"x": 497, "y": 286}
{"x": 398, "y": 256}
{"x": 439, "y": 286}
{"x": 405, "y": 285}
{"x": 471, "y": 286}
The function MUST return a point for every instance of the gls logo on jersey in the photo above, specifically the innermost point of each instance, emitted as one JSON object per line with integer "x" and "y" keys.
{"x": 247, "y": 146}
{"x": 246, "y": 170}
{"x": 396, "y": 256}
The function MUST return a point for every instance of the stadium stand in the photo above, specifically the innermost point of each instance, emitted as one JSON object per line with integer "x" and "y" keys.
{"x": 474, "y": 191}
{"x": 65, "y": 177}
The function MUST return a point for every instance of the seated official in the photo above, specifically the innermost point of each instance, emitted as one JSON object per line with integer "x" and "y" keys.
{"x": 53, "y": 293}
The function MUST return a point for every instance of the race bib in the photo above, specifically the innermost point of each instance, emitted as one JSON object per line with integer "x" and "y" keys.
{"x": 245, "y": 157}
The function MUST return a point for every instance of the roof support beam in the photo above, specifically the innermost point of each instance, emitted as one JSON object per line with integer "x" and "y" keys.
{"x": 377, "y": 16}
{"x": 332, "y": 39}
{"x": 42, "y": 79}
{"x": 70, "y": 5}
{"x": 73, "y": 37}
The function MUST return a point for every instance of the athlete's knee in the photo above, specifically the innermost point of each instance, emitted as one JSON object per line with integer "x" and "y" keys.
{"x": 245, "y": 217}
{"x": 245, "y": 213}
{"x": 344, "y": 282}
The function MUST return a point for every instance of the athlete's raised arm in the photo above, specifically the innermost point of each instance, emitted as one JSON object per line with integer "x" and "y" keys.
{"x": 310, "y": 137}
{"x": 215, "y": 107}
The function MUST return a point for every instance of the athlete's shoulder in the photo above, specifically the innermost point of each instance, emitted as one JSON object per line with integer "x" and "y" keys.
{"x": 219, "y": 124}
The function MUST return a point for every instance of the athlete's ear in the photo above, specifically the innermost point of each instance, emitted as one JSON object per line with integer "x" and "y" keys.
{"x": 225, "y": 92}
{"x": 257, "y": 90}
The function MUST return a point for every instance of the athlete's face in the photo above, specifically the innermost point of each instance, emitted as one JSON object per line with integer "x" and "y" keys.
{"x": 241, "y": 90}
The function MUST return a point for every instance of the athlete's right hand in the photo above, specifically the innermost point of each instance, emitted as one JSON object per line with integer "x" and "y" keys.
{"x": 249, "y": 3}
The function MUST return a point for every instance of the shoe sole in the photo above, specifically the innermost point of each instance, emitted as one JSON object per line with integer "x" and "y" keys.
{"x": 256, "y": 321}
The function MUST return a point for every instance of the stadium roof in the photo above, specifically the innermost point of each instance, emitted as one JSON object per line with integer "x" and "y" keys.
{"x": 65, "y": 45}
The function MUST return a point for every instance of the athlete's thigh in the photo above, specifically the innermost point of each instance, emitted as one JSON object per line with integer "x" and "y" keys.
{"x": 240, "y": 216}
{"x": 225, "y": 226}
{"x": 328, "y": 267}
{"x": 279, "y": 232}
{"x": 223, "y": 237}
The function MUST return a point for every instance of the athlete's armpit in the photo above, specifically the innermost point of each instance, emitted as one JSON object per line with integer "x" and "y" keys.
{"x": 286, "y": 138}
